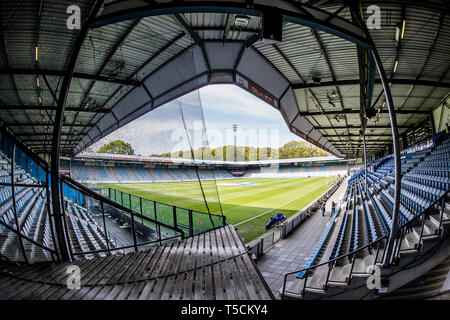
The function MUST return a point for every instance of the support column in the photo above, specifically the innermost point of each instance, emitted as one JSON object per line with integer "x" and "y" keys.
{"x": 365, "y": 164}
{"x": 395, "y": 138}
{"x": 57, "y": 127}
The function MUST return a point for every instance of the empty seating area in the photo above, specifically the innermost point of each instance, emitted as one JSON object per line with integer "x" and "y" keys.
{"x": 297, "y": 172}
{"x": 84, "y": 233}
{"x": 136, "y": 174}
{"x": 319, "y": 249}
{"x": 33, "y": 221}
{"x": 32, "y": 217}
{"x": 367, "y": 216}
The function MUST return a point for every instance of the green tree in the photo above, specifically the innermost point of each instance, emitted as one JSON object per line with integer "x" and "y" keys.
{"x": 117, "y": 147}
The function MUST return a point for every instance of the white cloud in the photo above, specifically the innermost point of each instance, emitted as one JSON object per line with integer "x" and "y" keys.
{"x": 223, "y": 105}
{"x": 238, "y": 102}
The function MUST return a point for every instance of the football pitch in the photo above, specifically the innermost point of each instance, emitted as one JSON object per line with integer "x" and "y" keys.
{"x": 246, "y": 203}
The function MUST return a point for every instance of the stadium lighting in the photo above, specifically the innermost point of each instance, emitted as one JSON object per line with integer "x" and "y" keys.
{"x": 330, "y": 101}
{"x": 396, "y": 65}
{"x": 235, "y": 142}
{"x": 241, "y": 21}
{"x": 397, "y": 33}
{"x": 37, "y": 82}
{"x": 403, "y": 28}
{"x": 36, "y": 53}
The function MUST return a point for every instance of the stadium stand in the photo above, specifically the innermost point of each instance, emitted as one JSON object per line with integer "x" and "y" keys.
{"x": 124, "y": 174}
{"x": 368, "y": 216}
{"x": 186, "y": 270}
{"x": 395, "y": 213}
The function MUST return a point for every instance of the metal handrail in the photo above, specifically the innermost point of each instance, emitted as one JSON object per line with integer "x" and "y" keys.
{"x": 400, "y": 235}
{"x": 124, "y": 247}
{"x": 169, "y": 205}
{"x": 110, "y": 233}
{"x": 27, "y": 238}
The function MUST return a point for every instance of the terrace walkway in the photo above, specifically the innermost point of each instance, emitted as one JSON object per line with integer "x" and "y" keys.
{"x": 208, "y": 266}
{"x": 290, "y": 254}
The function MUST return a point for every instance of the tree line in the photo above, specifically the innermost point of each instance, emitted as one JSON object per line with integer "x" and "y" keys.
{"x": 290, "y": 150}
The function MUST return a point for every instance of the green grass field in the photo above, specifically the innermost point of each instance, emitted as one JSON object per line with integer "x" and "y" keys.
{"x": 248, "y": 207}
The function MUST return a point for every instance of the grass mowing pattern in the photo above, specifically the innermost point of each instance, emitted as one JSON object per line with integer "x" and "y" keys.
{"x": 239, "y": 203}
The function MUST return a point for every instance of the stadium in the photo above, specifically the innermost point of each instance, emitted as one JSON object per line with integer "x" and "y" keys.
{"x": 367, "y": 82}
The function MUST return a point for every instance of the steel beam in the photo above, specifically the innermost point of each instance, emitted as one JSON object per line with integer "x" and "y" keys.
{"x": 357, "y": 135}
{"x": 293, "y": 12}
{"x": 358, "y": 127}
{"x": 79, "y": 75}
{"x": 394, "y": 128}
{"x": 355, "y": 111}
{"x": 43, "y": 124}
{"x": 48, "y": 108}
{"x": 414, "y": 82}
{"x": 57, "y": 198}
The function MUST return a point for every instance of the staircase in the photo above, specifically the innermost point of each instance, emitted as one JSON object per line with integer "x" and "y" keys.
{"x": 422, "y": 244}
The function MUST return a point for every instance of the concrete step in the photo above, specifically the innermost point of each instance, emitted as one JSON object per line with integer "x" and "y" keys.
{"x": 290, "y": 295}
{"x": 314, "y": 290}
{"x": 293, "y": 287}
{"x": 434, "y": 220}
{"x": 340, "y": 274}
{"x": 410, "y": 241}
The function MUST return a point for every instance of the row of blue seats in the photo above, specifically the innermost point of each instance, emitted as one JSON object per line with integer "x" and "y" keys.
{"x": 426, "y": 192}
{"x": 371, "y": 231}
{"x": 436, "y": 158}
{"x": 405, "y": 215}
{"x": 320, "y": 245}
{"x": 435, "y": 164}
{"x": 355, "y": 226}
{"x": 317, "y": 250}
{"x": 444, "y": 173}
{"x": 7, "y": 215}
{"x": 383, "y": 217}
{"x": 340, "y": 237}
{"x": 413, "y": 201}
{"x": 428, "y": 180}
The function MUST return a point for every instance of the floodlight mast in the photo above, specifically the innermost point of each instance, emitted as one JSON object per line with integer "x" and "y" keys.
{"x": 235, "y": 142}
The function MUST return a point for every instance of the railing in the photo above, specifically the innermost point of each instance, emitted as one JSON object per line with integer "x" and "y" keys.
{"x": 192, "y": 222}
{"x": 15, "y": 232}
{"x": 141, "y": 235}
{"x": 148, "y": 225}
{"x": 379, "y": 244}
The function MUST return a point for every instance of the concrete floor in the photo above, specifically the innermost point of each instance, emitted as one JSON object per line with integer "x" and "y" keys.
{"x": 290, "y": 254}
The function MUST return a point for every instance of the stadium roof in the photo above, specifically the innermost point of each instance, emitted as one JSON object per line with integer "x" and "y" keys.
{"x": 138, "y": 55}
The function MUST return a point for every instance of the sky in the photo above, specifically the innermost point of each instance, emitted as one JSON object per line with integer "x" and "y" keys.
{"x": 163, "y": 129}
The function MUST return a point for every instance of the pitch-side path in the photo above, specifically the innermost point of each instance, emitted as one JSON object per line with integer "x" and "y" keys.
{"x": 290, "y": 254}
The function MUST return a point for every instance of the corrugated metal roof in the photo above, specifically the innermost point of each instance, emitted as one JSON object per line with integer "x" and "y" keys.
{"x": 133, "y": 50}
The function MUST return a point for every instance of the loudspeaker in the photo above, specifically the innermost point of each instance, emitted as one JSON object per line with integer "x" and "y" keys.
{"x": 272, "y": 27}
{"x": 371, "y": 112}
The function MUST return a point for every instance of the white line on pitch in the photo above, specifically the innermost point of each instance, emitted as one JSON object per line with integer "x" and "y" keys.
{"x": 261, "y": 214}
